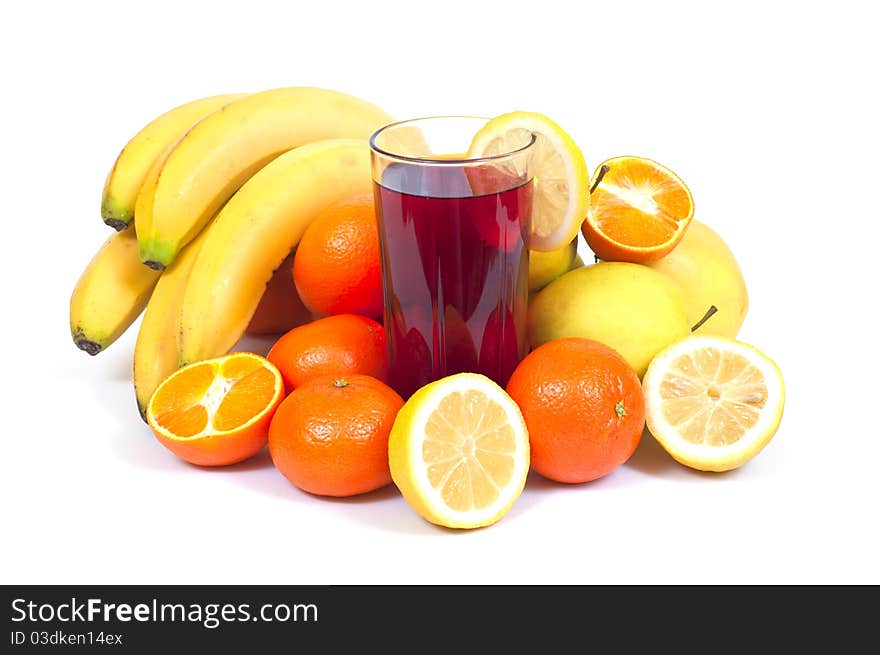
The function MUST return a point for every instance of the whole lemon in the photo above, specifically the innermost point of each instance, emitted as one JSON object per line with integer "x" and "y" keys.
{"x": 544, "y": 267}
{"x": 708, "y": 274}
{"x": 629, "y": 307}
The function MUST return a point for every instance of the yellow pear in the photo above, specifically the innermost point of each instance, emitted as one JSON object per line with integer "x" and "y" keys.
{"x": 708, "y": 274}
{"x": 629, "y": 307}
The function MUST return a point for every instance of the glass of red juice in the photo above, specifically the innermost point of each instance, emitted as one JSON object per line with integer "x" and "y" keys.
{"x": 454, "y": 235}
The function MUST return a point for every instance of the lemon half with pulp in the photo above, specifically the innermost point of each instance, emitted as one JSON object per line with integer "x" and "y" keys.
{"x": 459, "y": 451}
{"x": 713, "y": 403}
{"x": 561, "y": 181}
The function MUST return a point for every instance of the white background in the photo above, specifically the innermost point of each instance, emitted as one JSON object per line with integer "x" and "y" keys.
{"x": 768, "y": 111}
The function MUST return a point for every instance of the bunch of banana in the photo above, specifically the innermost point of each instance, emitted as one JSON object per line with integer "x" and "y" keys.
{"x": 130, "y": 169}
{"x": 224, "y": 150}
{"x": 210, "y": 198}
{"x": 255, "y": 231}
{"x": 115, "y": 287}
{"x": 110, "y": 293}
{"x": 157, "y": 349}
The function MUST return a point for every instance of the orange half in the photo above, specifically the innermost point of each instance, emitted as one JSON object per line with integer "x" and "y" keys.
{"x": 218, "y": 411}
{"x": 639, "y": 210}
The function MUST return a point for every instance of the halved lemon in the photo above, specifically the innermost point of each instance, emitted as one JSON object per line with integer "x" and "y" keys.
{"x": 713, "y": 403}
{"x": 218, "y": 411}
{"x": 561, "y": 180}
{"x": 639, "y": 210}
{"x": 459, "y": 451}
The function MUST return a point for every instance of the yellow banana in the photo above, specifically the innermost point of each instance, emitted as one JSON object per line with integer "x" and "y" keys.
{"x": 143, "y": 210}
{"x": 225, "y": 149}
{"x": 131, "y": 166}
{"x": 157, "y": 351}
{"x": 110, "y": 293}
{"x": 255, "y": 231}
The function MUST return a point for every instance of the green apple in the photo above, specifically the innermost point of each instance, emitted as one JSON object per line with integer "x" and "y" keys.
{"x": 629, "y": 307}
{"x": 706, "y": 271}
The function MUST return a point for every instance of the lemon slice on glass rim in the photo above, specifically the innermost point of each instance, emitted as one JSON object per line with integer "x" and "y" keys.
{"x": 561, "y": 182}
{"x": 459, "y": 451}
{"x": 713, "y": 403}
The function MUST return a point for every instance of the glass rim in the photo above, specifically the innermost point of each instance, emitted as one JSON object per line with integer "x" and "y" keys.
{"x": 443, "y": 162}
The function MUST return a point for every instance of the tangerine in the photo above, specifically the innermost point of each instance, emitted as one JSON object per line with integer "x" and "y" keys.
{"x": 583, "y": 406}
{"x": 340, "y": 345}
{"x": 217, "y": 411}
{"x": 330, "y": 435}
{"x": 337, "y": 268}
{"x": 639, "y": 210}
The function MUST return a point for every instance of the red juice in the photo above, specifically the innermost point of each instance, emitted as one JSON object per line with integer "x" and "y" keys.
{"x": 455, "y": 267}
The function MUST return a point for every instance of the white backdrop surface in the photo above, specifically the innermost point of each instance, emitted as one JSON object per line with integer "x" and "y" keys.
{"x": 767, "y": 109}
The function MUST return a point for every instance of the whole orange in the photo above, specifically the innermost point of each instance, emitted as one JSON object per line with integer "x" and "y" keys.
{"x": 330, "y": 435}
{"x": 336, "y": 345}
{"x": 583, "y": 407}
{"x": 280, "y": 308}
{"x": 337, "y": 268}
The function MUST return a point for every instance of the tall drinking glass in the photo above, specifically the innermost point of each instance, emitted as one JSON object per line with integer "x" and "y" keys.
{"x": 454, "y": 235}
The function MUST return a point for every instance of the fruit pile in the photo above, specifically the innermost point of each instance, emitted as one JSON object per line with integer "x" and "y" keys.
{"x": 254, "y": 213}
